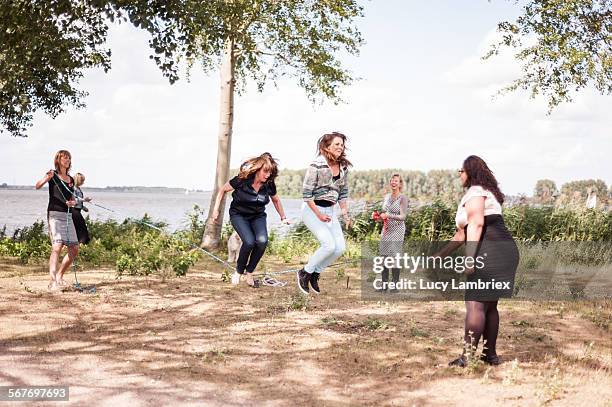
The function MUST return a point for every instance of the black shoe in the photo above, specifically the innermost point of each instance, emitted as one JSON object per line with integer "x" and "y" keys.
{"x": 460, "y": 362}
{"x": 381, "y": 290}
{"x": 490, "y": 360}
{"x": 303, "y": 278}
{"x": 314, "y": 282}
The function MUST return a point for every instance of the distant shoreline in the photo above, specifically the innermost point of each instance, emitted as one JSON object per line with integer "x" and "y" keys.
{"x": 168, "y": 190}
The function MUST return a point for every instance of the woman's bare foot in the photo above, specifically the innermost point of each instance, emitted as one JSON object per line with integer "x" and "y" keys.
{"x": 53, "y": 287}
{"x": 62, "y": 283}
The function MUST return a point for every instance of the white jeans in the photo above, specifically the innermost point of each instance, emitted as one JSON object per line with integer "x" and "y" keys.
{"x": 329, "y": 235}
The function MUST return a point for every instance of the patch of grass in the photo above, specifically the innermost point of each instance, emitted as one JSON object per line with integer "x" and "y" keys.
{"x": 521, "y": 323}
{"x": 226, "y": 276}
{"x": 329, "y": 321}
{"x": 213, "y": 355}
{"x": 473, "y": 361}
{"x": 450, "y": 312}
{"x": 416, "y": 332}
{"x": 275, "y": 309}
{"x": 298, "y": 302}
{"x": 513, "y": 375}
{"x": 599, "y": 318}
{"x": 587, "y": 353}
{"x": 375, "y": 324}
{"x": 551, "y": 387}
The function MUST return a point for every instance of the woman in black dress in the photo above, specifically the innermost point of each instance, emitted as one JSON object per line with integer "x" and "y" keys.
{"x": 481, "y": 227}
{"x": 77, "y": 216}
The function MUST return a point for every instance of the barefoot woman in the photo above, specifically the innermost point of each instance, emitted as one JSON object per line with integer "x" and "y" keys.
{"x": 59, "y": 216}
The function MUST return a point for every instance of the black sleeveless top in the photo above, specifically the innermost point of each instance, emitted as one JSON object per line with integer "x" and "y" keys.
{"x": 59, "y": 194}
{"x": 247, "y": 202}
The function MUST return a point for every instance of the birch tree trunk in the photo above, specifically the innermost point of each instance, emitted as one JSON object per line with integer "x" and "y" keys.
{"x": 212, "y": 231}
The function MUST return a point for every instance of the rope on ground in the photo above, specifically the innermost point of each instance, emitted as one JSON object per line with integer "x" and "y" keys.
{"x": 272, "y": 282}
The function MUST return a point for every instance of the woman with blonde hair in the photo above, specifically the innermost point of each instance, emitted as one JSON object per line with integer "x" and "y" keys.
{"x": 61, "y": 226}
{"x": 393, "y": 216}
{"x": 252, "y": 189}
{"x": 77, "y": 217}
{"x": 325, "y": 184}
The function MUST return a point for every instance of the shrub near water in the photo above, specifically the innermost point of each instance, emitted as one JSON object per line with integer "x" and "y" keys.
{"x": 131, "y": 246}
{"x": 153, "y": 252}
{"x": 28, "y": 243}
{"x": 134, "y": 248}
{"x": 142, "y": 250}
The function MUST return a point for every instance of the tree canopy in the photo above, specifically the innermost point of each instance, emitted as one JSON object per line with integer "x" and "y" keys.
{"x": 563, "y": 45}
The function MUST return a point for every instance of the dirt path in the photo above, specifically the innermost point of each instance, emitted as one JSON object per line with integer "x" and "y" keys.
{"x": 199, "y": 341}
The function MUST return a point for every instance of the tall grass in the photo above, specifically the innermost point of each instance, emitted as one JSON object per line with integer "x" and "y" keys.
{"x": 133, "y": 248}
{"x": 436, "y": 222}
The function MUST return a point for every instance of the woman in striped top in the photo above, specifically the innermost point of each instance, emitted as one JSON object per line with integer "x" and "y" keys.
{"x": 325, "y": 184}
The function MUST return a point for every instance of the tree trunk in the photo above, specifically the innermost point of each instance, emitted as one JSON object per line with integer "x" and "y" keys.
{"x": 212, "y": 231}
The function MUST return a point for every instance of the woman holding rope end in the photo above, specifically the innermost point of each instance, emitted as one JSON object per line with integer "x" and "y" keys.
{"x": 77, "y": 217}
{"x": 59, "y": 216}
{"x": 325, "y": 184}
{"x": 480, "y": 226}
{"x": 253, "y": 188}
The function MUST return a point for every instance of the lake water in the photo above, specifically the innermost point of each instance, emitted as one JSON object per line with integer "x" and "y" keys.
{"x": 19, "y": 208}
{"x": 23, "y": 207}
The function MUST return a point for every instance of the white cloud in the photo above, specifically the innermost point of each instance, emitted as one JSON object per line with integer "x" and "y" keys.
{"x": 475, "y": 73}
{"x": 139, "y": 130}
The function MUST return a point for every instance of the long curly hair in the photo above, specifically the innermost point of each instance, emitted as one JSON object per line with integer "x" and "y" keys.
{"x": 478, "y": 173}
{"x": 252, "y": 165}
{"x": 324, "y": 143}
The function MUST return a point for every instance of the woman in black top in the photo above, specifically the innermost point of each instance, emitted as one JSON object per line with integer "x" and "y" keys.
{"x": 61, "y": 227}
{"x": 252, "y": 190}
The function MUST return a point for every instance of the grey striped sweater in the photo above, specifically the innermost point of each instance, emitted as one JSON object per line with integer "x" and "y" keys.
{"x": 319, "y": 183}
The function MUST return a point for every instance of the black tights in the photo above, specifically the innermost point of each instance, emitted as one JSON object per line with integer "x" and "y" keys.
{"x": 481, "y": 319}
{"x": 395, "y": 273}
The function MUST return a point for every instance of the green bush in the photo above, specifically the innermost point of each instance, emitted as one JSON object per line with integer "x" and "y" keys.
{"x": 131, "y": 246}
{"x": 28, "y": 243}
{"x": 152, "y": 252}
{"x": 136, "y": 248}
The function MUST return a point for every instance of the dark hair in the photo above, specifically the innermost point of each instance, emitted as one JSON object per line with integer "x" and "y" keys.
{"x": 478, "y": 173}
{"x": 325, "y": 141}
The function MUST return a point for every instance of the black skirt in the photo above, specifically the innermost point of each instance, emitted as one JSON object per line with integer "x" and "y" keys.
{"x": 80, "y": 226}
{"x": 500, "y": 258}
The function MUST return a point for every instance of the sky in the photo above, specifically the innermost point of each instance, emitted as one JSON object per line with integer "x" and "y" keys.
{"x": 425, "y": 100}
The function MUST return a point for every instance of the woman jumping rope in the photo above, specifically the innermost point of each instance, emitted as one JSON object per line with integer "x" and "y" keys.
{"x": 253, "y": 188}
{"x": 325, "y": 184}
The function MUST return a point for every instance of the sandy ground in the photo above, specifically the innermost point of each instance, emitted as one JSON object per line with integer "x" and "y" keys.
{"x": 199, "y": 341}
